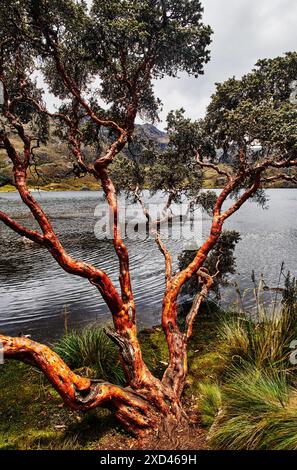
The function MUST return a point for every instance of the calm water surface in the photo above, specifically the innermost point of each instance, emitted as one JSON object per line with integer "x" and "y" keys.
{"x": 34, "y": 290}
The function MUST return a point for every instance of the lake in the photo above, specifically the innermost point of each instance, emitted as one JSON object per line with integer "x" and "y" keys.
{"x": 35, "y": 291}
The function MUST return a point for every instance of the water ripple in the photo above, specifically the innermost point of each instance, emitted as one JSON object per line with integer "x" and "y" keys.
{"x": 34, "y": 290}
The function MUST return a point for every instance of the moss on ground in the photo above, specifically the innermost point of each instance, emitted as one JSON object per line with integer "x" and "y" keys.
{"x": 32, "y": 415}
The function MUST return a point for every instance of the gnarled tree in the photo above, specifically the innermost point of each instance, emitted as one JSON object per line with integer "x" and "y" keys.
{"x": 120, "y": 47}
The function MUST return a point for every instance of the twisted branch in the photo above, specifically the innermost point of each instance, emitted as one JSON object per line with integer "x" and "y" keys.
{"x": 79, "y": 393}
{"x": 214, "y": 167}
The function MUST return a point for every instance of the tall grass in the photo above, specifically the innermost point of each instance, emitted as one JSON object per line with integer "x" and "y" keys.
{"x": 264, "y": 343}
{"x": 210, "y": 402}
{"x": 260, "y": 412}
{"x": 92, "y": 351}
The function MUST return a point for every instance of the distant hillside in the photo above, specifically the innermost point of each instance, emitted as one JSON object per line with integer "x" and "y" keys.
{"x": 53, "y": 169}
{"x": 151, "y": 132}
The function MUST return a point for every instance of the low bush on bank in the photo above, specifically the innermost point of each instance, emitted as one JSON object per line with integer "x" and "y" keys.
{"x": 264, "y": 343}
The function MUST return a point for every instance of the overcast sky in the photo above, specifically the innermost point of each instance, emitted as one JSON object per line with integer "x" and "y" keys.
{"x": 244, "y": 31}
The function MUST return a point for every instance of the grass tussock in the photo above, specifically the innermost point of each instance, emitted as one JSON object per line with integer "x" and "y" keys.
{"x": 265, "y": 343}
{"x": 92, "y": 353}
{"x": 260, "y": 412}
{"x": 210, "y": 402}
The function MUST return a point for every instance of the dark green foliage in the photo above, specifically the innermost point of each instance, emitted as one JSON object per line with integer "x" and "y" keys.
{"x": 290, "y": 292}
{"x": 109, "y": 54}
{"x": 175, "y": 169}
{"x": 123, "y": 34}
{"x": 207, "y": 200}
{"x": 187, "y": 137}
{"x": 221, "y": 261}
{"x": 210, "y": 402}
{"x": 170, "y": 173}
{"x": 256, "y": 112}
{"x": 128, "y": 180}
{"x": 5, "y": 180}
{"x": 114, "y": 42}
{"x": 170, "y": 168}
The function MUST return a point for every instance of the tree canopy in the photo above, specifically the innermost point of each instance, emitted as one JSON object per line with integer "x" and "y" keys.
{"x": 258, "y": 111}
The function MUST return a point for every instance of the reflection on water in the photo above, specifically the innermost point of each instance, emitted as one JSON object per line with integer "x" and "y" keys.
{"x": 34, "y": 289}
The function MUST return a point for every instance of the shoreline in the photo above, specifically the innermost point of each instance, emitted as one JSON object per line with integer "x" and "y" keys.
{"x": 45, "y": 189}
